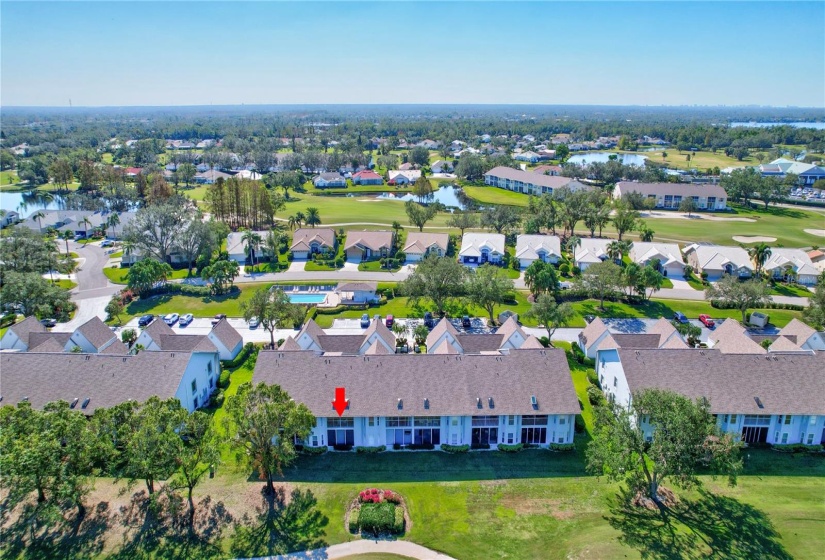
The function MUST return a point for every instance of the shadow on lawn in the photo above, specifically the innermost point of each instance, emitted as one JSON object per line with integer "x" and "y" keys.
{"x": 280, "y": 526}
{"x": 433, "y": 466}
{"x": 64, "y": 538}
{"x": 158, "y": 529}
{"x": 710, "y": 526}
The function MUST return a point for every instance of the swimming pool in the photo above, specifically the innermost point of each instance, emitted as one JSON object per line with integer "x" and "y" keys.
{"x": 307, "y": 298}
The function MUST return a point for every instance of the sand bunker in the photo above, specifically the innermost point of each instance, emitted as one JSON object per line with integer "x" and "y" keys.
{"x": 753, "y": 239}
{"x": 817, "y": 232}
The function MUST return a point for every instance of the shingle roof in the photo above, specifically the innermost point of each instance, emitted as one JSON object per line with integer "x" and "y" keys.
{"x": 551, "y": 181}
{"x": 116, "y": 348}
{"x": 157, "y": 328}
{"x": 784, "y": 344}
{"x": 715, "y": 257}
{"x": 96, "y": 332}
{"x": 375, "y": 383}
{"x": 532, "y": 343}
{"x": 635, "y": 340}
{"x": 419, "y": 242}
{"x": 797, "y": 328}
{"x": 528, "y": 246}
{"x": 472, "y": 243}
{"x": 478, "y": 343}
{"x": 381, "y": 329}
{"x": 357, "y": 287}
{"x": 444, "y": 325}
{"x": 227, "y": 334}
{"x": 342, "y": 343}
{"x": 374, "y": 240}
{"x": 683, "y": 189}
{"x": 667, "y": 253}
{"x": 591, "y": 250}
{"x": 186, "y": 343}
{"x": 290, "y": 344}
{"x": 38, "y": 338}
{"x": 784, "y": 384}
{"x": 730, "y": 338}
{"x": 592, "y": 331}
{"x": 377, "y": 349}
{"x": 106, "y": 380}
{"x": 24, "y": 328}
{"x": 48, "y": 345}
{"x": 305, "y": 236}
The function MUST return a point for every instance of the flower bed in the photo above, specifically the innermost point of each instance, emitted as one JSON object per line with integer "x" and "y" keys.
{"x": 377, "y": 512}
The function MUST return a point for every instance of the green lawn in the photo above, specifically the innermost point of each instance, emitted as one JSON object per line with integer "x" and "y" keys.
{"x": 792, "y": 290}
{"x": 207, "y": 306}
{"x": 66, "y": 284}
{"x": 357, "y": 210}
{"x": 495, "y": 195}
{"x": 118, "y": 275}
{"x": 375, "y": 266}
{"x": 702, "y": 160}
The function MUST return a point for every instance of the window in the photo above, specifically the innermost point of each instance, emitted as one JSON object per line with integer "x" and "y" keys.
{"x": 454, "y": 421}
{"x": 810, "y": 439}
{"x": 211, "y": 382}
{"x": 509, "y": 437}
{"x": 733, "y": 419}
{"x": 209, "y": 367}
{"x": 398, "y": 421}
{"x": 194, "y": 386}
{"x": 776, "y": 437}
{"x": 562, "y": 420}
{"x": 812, "y": 420}
{"x": 787, "y": 420}
{"x": 371, "y": 421}
{"x": 534, "y": 420}
{"x": 561, "y": 439}
{"x": 785, "y": 437}
{"x": 511, "y": 420}
{"x": 195, "y": 402}
{"x": 427, "y": 421}
{"x": 314, "y": 441}
{"x": 615, "y": 381}
{"x": 340, "y": 431}
{"x": 758, "y": 420}
{"x": 537, "y": 435}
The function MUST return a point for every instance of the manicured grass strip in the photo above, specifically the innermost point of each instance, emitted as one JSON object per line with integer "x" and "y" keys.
{"x": 495, "y": 195}
{"x": 118, "y": 275}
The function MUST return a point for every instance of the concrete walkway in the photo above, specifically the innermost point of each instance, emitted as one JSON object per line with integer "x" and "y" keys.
{"x": 402, "y": 548}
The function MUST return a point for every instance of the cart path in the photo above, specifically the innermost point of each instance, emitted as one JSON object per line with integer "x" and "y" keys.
{"x": 403, "y": 548}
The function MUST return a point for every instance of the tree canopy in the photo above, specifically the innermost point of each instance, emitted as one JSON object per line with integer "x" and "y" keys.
{"x": 437, "y": 279}
{"x": 732, "y": 292}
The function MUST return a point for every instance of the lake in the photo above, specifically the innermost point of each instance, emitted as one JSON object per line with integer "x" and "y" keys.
{"x": 449, "y": 196}
{"x": 814, "y": 125}
{"x": 27, "y": 204}
{"x": 604, "y": 157}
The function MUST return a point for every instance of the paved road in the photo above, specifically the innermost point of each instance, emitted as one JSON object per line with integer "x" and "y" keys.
{"x": 402, "y": 548}
{"x": 86, "y": 309}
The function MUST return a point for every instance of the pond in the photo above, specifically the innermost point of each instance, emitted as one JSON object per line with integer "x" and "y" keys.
{"x": 28, "y": 203}
{"x": 604, "y": 157}
{"x": 814, "y": 125}
{"x": 448, "y": 195}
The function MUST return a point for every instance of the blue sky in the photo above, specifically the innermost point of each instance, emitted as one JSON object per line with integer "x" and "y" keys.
{"x": 618, "y": 53}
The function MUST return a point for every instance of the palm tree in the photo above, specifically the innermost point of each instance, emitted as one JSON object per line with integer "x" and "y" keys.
{"x": 292, "y": 222}
{"x": 313, "y": 217}
{"x": 113, "y": 221}
{"x": 39, "y": 215}
{"x": 614, "y": 251}
{"x": 300, "y": 218}
{"x": 572, "y": 242}
{"x": 251, "y": 239}
{"x": 85, "y": 223}
{"x": 271, "y": 242}
{"x": 67, "y": 235}
{"x": 759, "y": 254}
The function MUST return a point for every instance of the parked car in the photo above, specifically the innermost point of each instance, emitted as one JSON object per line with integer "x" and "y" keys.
{"x": 390, "y": 320}
{"x": 106, "y": 243}
{"x": 679, "y": 317}
{"x": 376, "y": 318}
{"x": 48, "y": 323}
{"x": 428, "y": 320}
{"x": 707, "y": 321}
{"x": 465, "y": 322}
{"x": 145, "y": 320}
{"x": 186, "y": 319}
{"x": 171, "y": 319}
{"x": 589, "y": 318}
{"x": 217, "y": 318}
{"x": 365, "y": 320}
{"x": 254, "y": 322}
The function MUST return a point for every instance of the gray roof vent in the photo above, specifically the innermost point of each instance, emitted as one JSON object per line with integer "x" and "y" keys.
{"x": 400, "y": 404}
{"x": 490, "y": 402}
{"x": 86, "y": 402}
{"x": 534, "y": 402}
{"x": 74, "y": 402}
{"x": 427, "y": 404}
{"x": 759, "y": 402}
{"x": 478, "y": 402}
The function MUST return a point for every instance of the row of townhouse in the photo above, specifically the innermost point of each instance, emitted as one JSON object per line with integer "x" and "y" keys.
{"x": 669, "y": 196}
{"x": 500, "y": 388}
{"x": 807, "y": 173}
{"x": 528, "y": 182}
{"x": 717, "y": 261}
{"x": 81, "y": 223}
{"x": 761, "y": 395}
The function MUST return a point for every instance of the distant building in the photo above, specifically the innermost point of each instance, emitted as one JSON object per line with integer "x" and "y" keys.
{"x": 329, "y": 180}
{"x": 367, "y": 177}
{"x": 528, "y": 182}
{"x": 403, "y": 177}
{"x": 481, "y": 248}
{"x": 368, "y": 245}
{"x": 670, "y": 195}
{"x": 545, "y": 248}
{"x": 420, "y": 244}
{"x": 310, "y": 241}
{"x": 718, "y": 260}
{"x": 668, "y": 255}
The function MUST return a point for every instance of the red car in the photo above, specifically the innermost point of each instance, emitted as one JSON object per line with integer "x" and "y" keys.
{"x": 390, "y": 320}
{"x": 707, "y": 321}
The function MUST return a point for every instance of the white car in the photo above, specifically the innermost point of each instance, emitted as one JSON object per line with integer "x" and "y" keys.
{"x": 254, "y": 322}
{"x": 186, "y": 319}
{"x": 171, "y": 319}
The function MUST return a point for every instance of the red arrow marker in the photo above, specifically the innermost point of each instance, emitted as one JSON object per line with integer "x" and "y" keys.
{"x": 340, "y": 403}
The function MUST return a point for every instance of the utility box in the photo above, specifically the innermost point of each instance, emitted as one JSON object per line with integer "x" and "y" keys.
{"x": 758, "y": 319}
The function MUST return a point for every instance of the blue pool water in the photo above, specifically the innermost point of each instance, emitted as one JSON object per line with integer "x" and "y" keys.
{"x": 307, "y": 298}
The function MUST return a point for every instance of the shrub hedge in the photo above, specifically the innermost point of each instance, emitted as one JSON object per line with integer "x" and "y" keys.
{"x": 770, "y": 305}
{"x": 595, "y": 395}
{"x": 797, "y": 448}
{"x": 365, "y": 449}
{"x": 377, "y": 518}
{"x": 314, "y": 450}
{"x": 510, "y": 448}
{"x": 398, "y": 526}
{"x": 353, "y": 520}
{"x": 565, "y": 447}
{"x": 223, "y": 380}
{"x": 455, "y": 448}
{"x": 242, "y": 356}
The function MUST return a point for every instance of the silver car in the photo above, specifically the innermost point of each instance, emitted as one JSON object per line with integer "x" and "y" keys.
{"x": 186, "y": 319}
{"x": 254, "y": 322}
{"x": 171, "y": 319}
